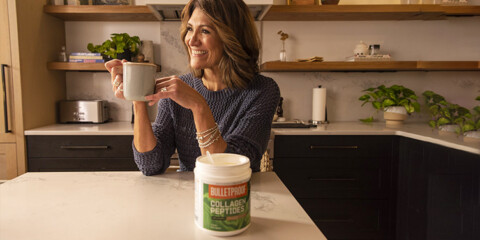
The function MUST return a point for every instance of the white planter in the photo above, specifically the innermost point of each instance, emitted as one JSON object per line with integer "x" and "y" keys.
{"x": 471, "y": 136}
{"x": 448, "y": 129}
{"x": 395, "y": 115}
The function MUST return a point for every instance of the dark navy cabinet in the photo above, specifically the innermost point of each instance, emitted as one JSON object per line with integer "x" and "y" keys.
{"x": 382, "y": 187}
{"x": 80, "y": 153}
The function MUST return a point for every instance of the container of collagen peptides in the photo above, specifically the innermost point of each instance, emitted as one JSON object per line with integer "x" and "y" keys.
{"x": 222, "y": 193}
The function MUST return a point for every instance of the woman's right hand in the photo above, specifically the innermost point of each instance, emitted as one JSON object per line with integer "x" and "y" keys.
{"x": 115, "y": 68}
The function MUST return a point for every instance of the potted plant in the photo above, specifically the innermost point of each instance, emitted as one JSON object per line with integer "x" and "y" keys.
{"x": 397, "y": 102}
{"x": 446, "y": 116}
{"x": 471, "y": 126}
{"x": 120, "y": 46}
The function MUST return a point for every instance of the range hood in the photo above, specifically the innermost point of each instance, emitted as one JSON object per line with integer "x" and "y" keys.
{"x": 171, "y": 10}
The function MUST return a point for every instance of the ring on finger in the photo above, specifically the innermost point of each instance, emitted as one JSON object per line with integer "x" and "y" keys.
{"x": 163, "y": 89}
{"x": 116, "y": 83}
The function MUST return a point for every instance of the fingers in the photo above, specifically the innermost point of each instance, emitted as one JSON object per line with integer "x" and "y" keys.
{"x": 112, "y": 63}
{"x": 119, "y": 91}
{"x": 116, "y": 71}
{"x": 116, "y": 82}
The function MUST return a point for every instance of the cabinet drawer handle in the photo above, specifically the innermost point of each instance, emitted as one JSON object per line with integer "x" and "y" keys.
{"x": 5, "y": 104}
{"x": 332, "y": 179}
{"x": 332, "y": 147}
{"x": 84, "y": 147}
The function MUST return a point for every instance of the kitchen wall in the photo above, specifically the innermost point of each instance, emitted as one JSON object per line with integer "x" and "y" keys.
{"x": 452, "y": 39}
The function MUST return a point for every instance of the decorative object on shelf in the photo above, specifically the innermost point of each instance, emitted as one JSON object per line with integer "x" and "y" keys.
{"x": 445, "y": 115}
{"x": 112, "y": 2}
{"x": 146, "y": 48}
{"x": 361, "y": 49}
{"x": 330, "y": 2}
{"x": 454, "y": 2}
{"x": 374, "y": 49}
{"x": 283, "y": 53}
{"x": 121, "y": 46}
{"x": 62, "y": 56}
{"x": 409, "y": 2}
{"x": 302, "y": 2}
{"x": 388, "y": 98}
{"x": 431, "y": 1}
{"x": 57, "y": 2}
{"x": 371, "y": 58}
{"x": 312, "y": 59}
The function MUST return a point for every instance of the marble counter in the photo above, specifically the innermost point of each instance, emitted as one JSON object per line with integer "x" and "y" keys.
{"x": 128, "y": 205}
{"x": 419, "y": 131}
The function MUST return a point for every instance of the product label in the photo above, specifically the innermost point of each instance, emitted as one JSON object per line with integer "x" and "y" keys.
{"x": 226, "y": 207}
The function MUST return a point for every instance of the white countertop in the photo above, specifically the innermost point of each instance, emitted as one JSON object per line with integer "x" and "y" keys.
{"x": 419, "y": 131}
{"x": 128, "y": 205}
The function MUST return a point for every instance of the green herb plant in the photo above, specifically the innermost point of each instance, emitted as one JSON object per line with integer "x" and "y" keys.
{"x": 382, "y": 97}
{"x": 472, "y": 121}
{"x": 119, "y": 43}
{"x": 444, "y": 112}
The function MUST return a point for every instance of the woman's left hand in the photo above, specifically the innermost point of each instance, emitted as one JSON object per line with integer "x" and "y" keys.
{"x": 174, "y": 88}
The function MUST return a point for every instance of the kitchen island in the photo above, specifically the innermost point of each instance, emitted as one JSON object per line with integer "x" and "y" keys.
{"x": 128, "y": 205}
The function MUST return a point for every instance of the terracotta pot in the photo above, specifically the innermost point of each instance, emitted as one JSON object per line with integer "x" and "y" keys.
{"x": 395, "y": 115}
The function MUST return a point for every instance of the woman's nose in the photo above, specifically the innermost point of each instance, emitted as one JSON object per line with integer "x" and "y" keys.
{"x": 193, "y": 40}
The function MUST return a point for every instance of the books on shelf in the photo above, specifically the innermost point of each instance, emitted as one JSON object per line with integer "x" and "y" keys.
{"x": 84, "y": 54}
{"x": 81, "y": 57}
{"x": 372, "y": 58}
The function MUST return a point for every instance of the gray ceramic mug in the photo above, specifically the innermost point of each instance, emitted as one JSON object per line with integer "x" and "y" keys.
{"x": 138, "y": 80}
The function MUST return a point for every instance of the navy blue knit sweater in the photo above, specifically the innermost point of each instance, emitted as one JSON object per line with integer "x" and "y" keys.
{"x": 244, "y": 118}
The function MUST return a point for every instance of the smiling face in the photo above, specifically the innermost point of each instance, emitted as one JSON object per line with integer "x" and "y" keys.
{"x": 204, "y": 45}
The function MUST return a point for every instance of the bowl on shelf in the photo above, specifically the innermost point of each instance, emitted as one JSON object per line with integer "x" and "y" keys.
{"x": 330, "y": 2}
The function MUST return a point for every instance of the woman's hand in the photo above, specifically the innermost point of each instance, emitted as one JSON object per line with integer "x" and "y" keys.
{"x": 115, "y": 68}
{"x": 174, "y": 88}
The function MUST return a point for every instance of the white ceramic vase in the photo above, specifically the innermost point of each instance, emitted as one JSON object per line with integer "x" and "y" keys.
{"x": 395, "y": 115}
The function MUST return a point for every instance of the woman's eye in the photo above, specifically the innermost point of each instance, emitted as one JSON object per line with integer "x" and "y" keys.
{"x": 189, "y": 29}
{"x": 205, "y": 31}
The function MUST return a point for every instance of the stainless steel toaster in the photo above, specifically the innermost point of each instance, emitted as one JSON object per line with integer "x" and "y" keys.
{"x": 83, "y": 111}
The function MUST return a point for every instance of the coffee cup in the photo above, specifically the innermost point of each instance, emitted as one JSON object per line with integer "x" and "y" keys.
{"x": 138, "y": 80}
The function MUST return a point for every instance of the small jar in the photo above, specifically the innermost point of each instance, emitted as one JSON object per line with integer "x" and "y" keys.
{"x": 374, "y": 49}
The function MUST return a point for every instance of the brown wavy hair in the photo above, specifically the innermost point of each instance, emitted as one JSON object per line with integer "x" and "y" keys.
{"x": 235, "y": 26}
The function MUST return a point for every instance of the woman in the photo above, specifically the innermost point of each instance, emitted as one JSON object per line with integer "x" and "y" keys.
{"x": 223, "y": 105}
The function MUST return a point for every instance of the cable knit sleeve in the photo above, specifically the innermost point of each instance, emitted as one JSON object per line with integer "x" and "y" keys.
{"x": 157, "y": 160}
{"x": 252, "y": 129}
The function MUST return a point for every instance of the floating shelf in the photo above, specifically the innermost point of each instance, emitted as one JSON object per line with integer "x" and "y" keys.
{"x": 277, "y": 66}
{"x": 367, "y": 12}
{"x": 88, "y": 67}
{"x": 277, "y": 12}
{"x": 101, "y": 13}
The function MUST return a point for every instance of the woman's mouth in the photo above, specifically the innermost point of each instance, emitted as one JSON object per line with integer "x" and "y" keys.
{"x": 198, "y": 52}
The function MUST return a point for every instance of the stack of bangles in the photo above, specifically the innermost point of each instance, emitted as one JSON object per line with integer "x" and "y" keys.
{"x": 207, "y": 137}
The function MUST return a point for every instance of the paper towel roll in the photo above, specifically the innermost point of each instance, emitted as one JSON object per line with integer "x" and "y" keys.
{"x": 319, "y": 103}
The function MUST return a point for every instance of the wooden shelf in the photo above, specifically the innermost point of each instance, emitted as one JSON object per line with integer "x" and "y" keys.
{"x": 277, "y": 12}
{"x": 101, "y": 13}
{"x": 87, "y": 67}
{"x": 277, "y": 66}
{"x": 367, "y": 12}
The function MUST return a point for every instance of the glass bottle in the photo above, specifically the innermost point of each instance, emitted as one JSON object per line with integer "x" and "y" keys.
{"x": 283, "y": 53}
{"x": 62, "y": 56}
